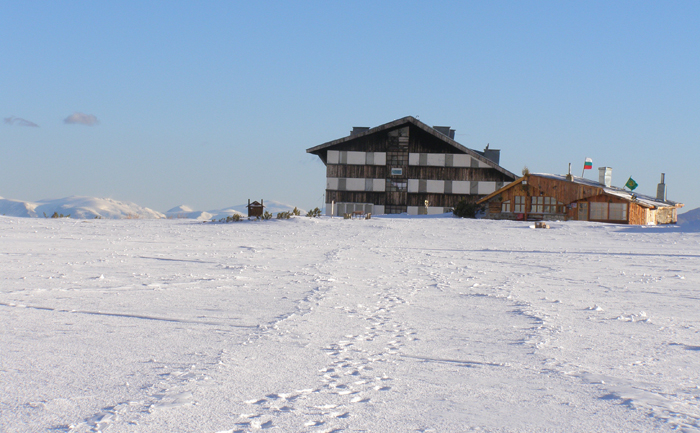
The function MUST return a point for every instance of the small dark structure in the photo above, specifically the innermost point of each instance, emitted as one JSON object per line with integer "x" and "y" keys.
{"x": 255, "y": 209}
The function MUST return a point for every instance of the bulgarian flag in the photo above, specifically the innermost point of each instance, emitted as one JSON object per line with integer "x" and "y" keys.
{"x": 588, "y": 164}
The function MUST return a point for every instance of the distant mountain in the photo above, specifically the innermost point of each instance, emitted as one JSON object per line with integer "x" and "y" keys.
{"x": 77, "y": 207}
{"x": 692, "y": 216}
{"x": 184, "y": 211}
{"x": 187, "y": 212}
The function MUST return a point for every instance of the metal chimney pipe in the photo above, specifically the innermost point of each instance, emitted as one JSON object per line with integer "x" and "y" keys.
{"x": 661, "y": 188}
{"x": 605, "y": 176}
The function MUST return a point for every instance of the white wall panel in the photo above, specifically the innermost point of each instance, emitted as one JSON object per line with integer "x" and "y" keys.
{"x": 436, "y": 186}
{"x": 332, "y": 183}
{"x": 356, "y": 158}
{"x": 460, "y": 160}
{"x": 378, "y": 185}
{"x": 413, "y": 158}
{"x": 355, "y": 184}
{"x": 379, "y": 158}
{"x": 461, "y": 187}
{"x": 332, "y": 157}
{"x": 412, "y": 185}
{"x": 435, "y": 210}
{"x": 483, "y": 165}
{"x": 487, "y": 187}
{"x": 436, "y": 159}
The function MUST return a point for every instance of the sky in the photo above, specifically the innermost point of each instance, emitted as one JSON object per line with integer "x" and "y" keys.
{"x": 208, "y": 104}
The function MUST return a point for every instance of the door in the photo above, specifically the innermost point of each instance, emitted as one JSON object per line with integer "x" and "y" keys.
{"x": 583, "y": 211}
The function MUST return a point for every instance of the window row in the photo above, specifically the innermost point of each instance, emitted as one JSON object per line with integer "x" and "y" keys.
{"x": 537, "y": 205}
{"x": 608, "y": 211}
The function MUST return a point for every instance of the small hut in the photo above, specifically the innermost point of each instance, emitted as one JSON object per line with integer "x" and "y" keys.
{"x": 255, "y": 209}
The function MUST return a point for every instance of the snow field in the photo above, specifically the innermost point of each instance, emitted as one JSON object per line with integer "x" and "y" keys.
{"x": 331, "y": 325}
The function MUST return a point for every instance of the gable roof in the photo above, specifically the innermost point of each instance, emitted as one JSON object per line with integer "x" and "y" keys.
{"x": 640, "y": 199}
{"x": 412, "y": 120}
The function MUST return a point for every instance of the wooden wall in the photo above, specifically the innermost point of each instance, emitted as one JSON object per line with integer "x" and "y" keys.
{"x": 457, "y": 173}
{"x": 357, "y": 171}
{"x": 637, "y": 214}
{"x": 441, "y": 200}
{"x": 356, "y": 197}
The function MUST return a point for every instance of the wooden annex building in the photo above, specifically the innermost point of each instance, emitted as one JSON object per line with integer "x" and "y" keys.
{"x": 556, "y": 197}
{"x": 405, "y": 166}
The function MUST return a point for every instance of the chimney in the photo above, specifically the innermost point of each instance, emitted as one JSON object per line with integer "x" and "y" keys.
{"x": 444, "y": 130}
{"x": 492, "y": 154}
{"x": 605, "y": 176}
{"x": 661, "y": 188}
{"x": 570, "y": 177}
{"x": 357, "y": 130}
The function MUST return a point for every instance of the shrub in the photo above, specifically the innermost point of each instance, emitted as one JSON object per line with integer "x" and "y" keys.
{"x": 231, "y": 218}
{"x": 466, "y": 210}
{"x": 347, "y": 216}
{"x": 284, "y": 215}
{"x": 57, "y": 215}
{"x": 296, "y": 212}
{"x": 267, "y": 215}
{"x": 314, "y": 213}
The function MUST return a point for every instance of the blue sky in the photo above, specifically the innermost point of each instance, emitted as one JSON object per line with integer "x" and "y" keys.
{"x": 211, "y": 103}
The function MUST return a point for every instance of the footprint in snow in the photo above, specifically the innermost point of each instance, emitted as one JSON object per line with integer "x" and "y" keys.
{"x": 313, "y": 423}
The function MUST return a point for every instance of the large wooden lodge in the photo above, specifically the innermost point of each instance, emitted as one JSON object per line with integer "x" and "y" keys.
{"x": 566, "y": 197}
{"x": 406, "y": 166}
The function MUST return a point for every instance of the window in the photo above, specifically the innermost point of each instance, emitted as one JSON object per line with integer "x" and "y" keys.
{"x": 536, "y": 204}
{"x": 519, "y": 204}
{"x": 608, "y": 211}
{"x": 546, "y": 205}
{"x": 397, "y": 158}
{"x": 396, "y": 185}
{"x": 505, "y": 206}
{"x": 397, "y": 171}
{"x": 599, "y": 211}
{"x": 618, "y": 211}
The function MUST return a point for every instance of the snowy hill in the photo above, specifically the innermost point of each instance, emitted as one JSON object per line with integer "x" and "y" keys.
{"x": 692, "y": 215}
{"x": 77, "y": 207}
{"x": 187, "y": 212}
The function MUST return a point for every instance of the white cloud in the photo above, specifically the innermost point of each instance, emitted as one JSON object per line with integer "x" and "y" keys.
{"x": 81, "y": 119}
{"x": 12, "y": 120}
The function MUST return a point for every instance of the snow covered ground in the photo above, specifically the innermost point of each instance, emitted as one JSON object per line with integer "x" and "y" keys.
{"x": 416, "y": 324}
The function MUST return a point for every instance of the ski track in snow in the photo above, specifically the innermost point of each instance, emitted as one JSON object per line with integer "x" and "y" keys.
{"x": 381, "y": 325}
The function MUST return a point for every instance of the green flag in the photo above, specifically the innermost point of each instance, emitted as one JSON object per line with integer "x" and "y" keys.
{"x": 631, "y": 184}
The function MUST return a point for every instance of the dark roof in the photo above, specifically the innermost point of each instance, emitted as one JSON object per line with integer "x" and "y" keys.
{"x": 643, "y": 200}
{"x": 412, "y": 120}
